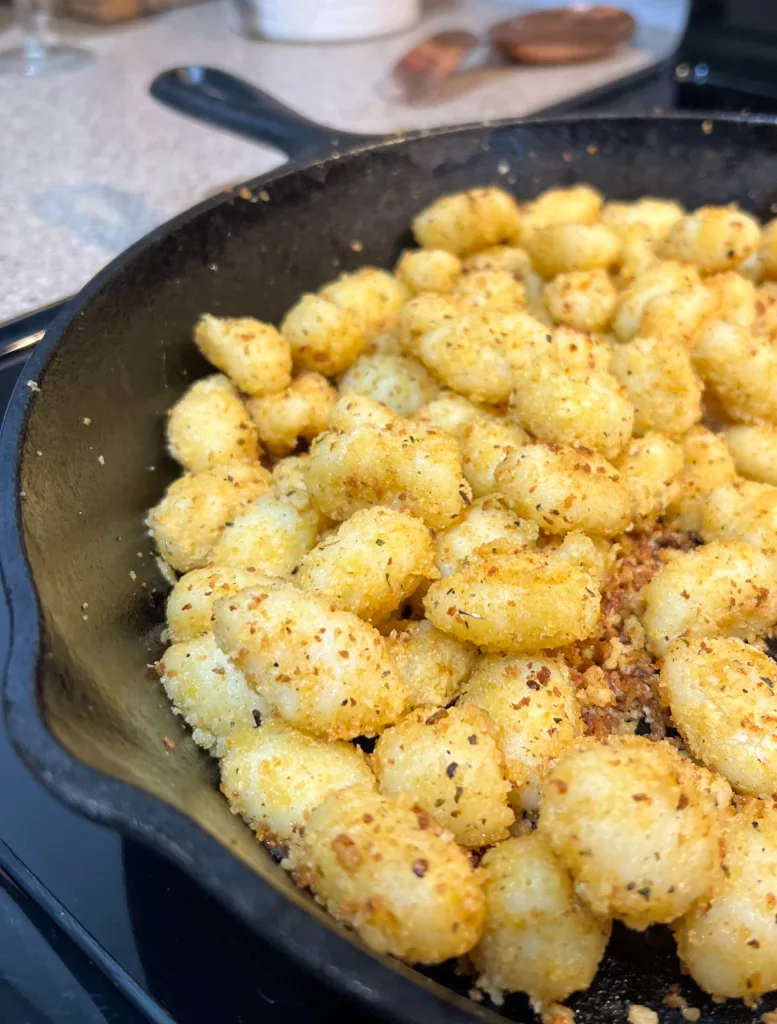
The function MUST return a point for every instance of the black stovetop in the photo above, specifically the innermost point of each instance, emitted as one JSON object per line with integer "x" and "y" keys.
{"x": 94, "y": 929}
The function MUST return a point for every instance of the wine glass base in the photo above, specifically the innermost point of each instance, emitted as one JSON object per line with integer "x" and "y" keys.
{"x": 48, "y": 60}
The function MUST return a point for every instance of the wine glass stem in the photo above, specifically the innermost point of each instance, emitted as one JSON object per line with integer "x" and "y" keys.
{"x": 31, "y": 16}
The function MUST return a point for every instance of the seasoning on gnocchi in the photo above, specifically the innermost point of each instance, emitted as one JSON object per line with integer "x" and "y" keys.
{"x": 726, "y": 940}
{"x": 383, "y": 865}
{"x": 274, "y": 776}
{"x": 638, "y": 827}
{"x": 320, "y": 669}
{"x": 537, "y": 937}
{"x": 478, "y": 583}
{"x": 449, "y": 761}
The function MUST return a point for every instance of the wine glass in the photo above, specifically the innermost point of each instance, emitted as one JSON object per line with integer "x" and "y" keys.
{"x": 37, "y": 55}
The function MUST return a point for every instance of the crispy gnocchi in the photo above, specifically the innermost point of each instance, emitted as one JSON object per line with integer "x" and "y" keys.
{"x": 726, "y": 940}
{"x": 300, "y": 412}
{"x": 400, "y": 465}
{"x": 660, "y": 383}
{"x": 517, "y": 600}
{"x": 485, "y": 521}
{"x": 254, "y": 355}
{"x": 468, "y": 221}
{"x": 721, "y": 589}
{"x": 194, "y": 512}
{"x": 478, "y": 564}
{"x": 561, "y": 489}
{"x": 721, "y": 693}
{"x": 638, "y": 827}
{"x": 563, "y": 405}
{"x": 433, "y": 665}
{"x": 449, "y": 761}
{"x": 399, "y": 382}
{"x": 208, "y": 691}
{"x": 754, "y": 451}
{"x": 537, "y": 937}
{"x": 740, "y": 368}
{"x": 370, "y": 565}
{"x": 320, "y": 669}
{"x": 384, "y": 866}
{"x": 533, "y": 704}
{"x": 210, "y": 425}
{"x": 274, "y": 775}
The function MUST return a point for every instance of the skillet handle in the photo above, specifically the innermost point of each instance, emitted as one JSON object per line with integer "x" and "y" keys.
{"x": 229, "y": 102}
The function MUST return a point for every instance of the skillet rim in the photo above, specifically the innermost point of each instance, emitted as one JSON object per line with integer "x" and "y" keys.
{"x": 348, "y": 966}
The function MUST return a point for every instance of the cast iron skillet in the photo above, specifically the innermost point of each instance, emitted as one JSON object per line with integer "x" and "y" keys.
{"x": 82, "y": 459}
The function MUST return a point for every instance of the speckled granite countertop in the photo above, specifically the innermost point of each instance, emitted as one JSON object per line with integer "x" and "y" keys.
{"x": 91, "y": 162}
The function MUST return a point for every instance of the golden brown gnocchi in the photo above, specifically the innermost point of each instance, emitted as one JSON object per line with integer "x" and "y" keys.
{"x": 208, "y": 691}
{"x": 661, "y": 384}
{"x": 707, "y": 464}
{"x": 485, "y": 521}
{"x": 493, "y": 289}
{"x": 399, "y": 465}
{"x": 383, "y": 866}
{"x": 584, "y": 299}
{"x": 721, "y": 693}
{"x": 251, "y": 353}
{"x": 448, "y": 412}
{"x": 744, "y": 510}
{"x": 274, "y": 776}
{"x": 190, "y": 604}
{"x": 753, "y": 448}
{"x": 515, "y": 600}
{"x": 432, "y": 664}
{"x": 475, "y": 353}
{"x": 735, "y": 297}
{"x": 726, "y": 940}
{"x": 399, "y": 382}
{"x": 373, "y": 295}
{"x": 564, "y": 248}
{"x": 428, "y": 270}
{"x": 298, "y": 413}
{"x": 321, "y": 670}
{"x": 467, "y": 221}
{"x": 740, "y": 368}
{"x": 325, "y": 337}
{"x": 658, "y": 215}
{"x": 191, "y": 517}
{"x": 532, "y": 701}
{"x": 582, "y": 408}
{"x": 579, "y": 204}
{"x": 666, "y": 300}
{"x": 563, "y": 489}
{"x": 713, "y": 238}
{"x": 450, "y": 763}
{"x": 210, "y": 425}
{"x": 486, "y": 440}
{"x": 721, "y": 589}
{"x": 271, "y": 536}
{"x": 649, "y": 469}
{"x": 637, "y": 825}
{"x": 537, "y": 937}
{"x": 370, "y": 565}
{"x": 500, "y": 257}
{"x": 465, "y": 516}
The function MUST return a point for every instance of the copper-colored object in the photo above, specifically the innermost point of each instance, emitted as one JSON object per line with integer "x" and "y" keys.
{"x": 422, "y": 69}
{"x": 563, "y": 34}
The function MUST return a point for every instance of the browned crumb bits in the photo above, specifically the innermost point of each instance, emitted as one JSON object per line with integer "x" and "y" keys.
{"x": 616, "y": 675}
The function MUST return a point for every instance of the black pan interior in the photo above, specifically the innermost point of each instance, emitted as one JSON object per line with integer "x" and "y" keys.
{"x": 83, "y": 459}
